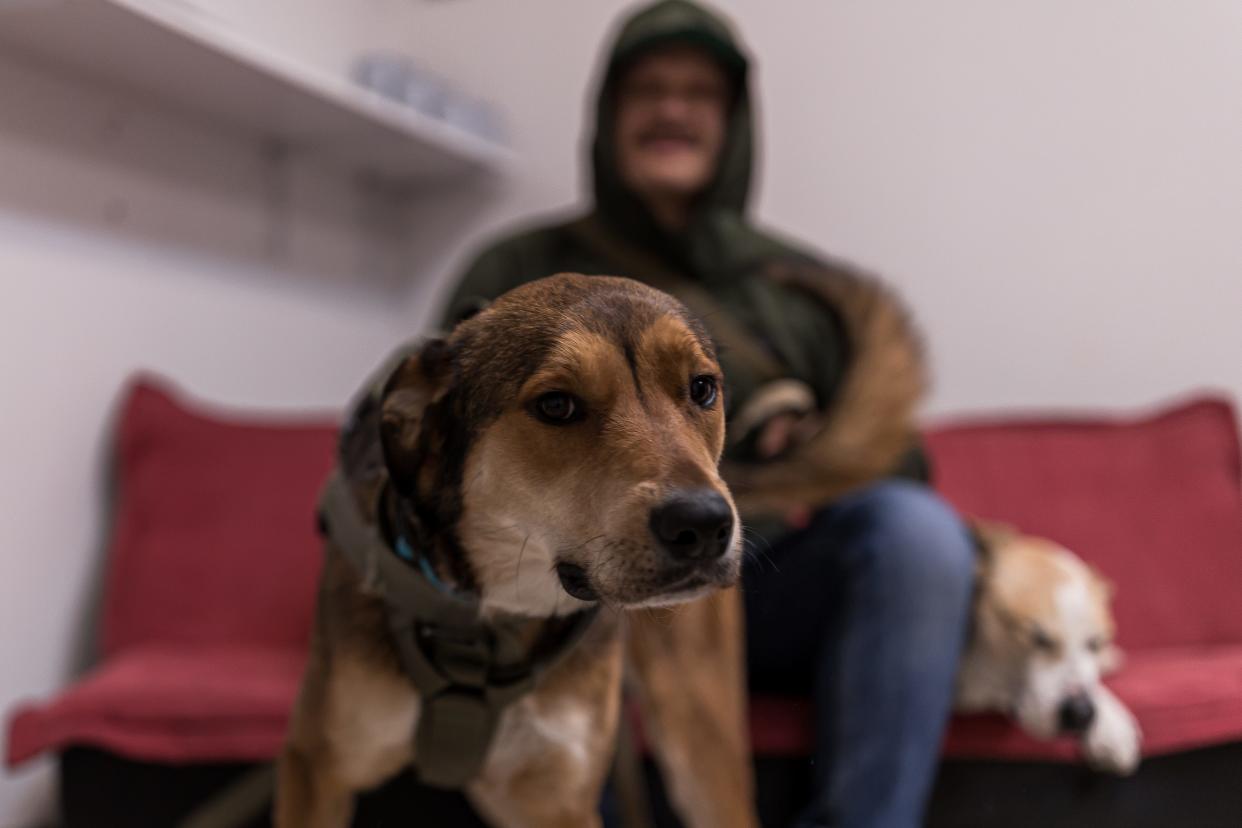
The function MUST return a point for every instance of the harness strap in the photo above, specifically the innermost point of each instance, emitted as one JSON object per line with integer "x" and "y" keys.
{"x": 466, "y": 669}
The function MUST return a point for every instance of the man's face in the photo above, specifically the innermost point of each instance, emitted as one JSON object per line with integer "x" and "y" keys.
{"x": 670, "y": 122}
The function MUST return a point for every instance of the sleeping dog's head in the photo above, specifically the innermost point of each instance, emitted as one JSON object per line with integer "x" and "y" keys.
{"x": 561, "y": 447}
{"x": 1043, "y": 618}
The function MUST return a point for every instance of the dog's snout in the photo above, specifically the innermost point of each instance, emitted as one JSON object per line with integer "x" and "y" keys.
{"x": 1076, "y": 713}
{"x": 694, "y": 525}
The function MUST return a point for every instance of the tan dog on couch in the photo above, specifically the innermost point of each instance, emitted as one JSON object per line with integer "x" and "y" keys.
{"x": 1042, "y": 641}
{"x": 498, "y": 498}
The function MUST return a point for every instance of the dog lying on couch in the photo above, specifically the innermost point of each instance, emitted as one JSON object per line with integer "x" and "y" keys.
{"x": 1042, "y": 640}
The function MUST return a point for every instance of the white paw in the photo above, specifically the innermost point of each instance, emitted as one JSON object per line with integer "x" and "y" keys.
{"x": 1112, "y": 743}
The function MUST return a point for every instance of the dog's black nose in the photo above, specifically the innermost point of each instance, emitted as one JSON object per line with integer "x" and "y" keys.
{"x": 694, "y": 525}
{"x": 1076, "y": 713}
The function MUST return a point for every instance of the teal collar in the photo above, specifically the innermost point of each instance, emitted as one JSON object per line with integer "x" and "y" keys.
{"x": 406, "y": 552}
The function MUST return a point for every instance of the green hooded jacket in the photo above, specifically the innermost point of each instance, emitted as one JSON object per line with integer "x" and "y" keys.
{"x": 720, "y": 252}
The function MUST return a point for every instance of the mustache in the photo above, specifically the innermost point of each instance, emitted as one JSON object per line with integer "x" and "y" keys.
{"x": 667, "y": 130}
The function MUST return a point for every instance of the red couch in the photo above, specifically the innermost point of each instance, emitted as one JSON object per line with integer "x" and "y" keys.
{"x": 1156, "y": 505}
{"x": 210, "y": 588}
{"x": 214, "y": 560}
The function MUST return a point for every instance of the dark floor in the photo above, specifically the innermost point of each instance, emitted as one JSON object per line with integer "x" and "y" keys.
{"x": 1197, "y": 789}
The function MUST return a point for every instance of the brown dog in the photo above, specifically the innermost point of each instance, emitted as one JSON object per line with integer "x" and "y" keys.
{"x": 555, "y": 454}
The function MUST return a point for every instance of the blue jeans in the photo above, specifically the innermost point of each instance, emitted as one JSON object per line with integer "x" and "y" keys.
{"x": 866, "y": 610}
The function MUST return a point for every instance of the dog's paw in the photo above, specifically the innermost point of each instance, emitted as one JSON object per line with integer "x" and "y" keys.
{"x": 1112, "y": 743}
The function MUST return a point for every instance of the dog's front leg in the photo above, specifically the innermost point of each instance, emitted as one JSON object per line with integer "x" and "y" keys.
{"x": 557, "y": 786}
{"x": 553, "y": 748}
{"x": 307, "y": 796}
{"x": 1112, "y": 742}
{"x": 546, "y": 808}
{"x": 690, "y": 681}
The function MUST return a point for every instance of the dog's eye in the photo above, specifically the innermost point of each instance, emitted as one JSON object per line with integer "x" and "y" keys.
{"x": 558, "y": 408}
{"x": 703, "y": 390}
{"x": 1042, "y": 640}
{"x": 1095, "y": 644}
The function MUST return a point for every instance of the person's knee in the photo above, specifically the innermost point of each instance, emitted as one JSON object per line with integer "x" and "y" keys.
{"x": 910, "y": 536}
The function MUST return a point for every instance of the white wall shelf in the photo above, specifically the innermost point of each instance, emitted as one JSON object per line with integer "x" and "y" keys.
{"x": 180, "y": 56}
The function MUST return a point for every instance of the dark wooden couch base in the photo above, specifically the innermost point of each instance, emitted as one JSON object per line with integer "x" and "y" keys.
{"x": 1201, "y": 788}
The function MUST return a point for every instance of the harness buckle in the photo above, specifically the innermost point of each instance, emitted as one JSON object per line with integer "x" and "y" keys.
{"x": 463, "y": 657}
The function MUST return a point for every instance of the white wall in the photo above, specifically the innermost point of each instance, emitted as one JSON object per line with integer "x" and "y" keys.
{"x": 130, "y": 239}
{"x": 1055, "y": 185}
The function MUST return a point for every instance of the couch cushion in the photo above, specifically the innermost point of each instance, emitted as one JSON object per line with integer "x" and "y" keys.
{"x": 158, "y": 704}
{"x": 233, "y": 704}
{"x": 214, "y": 540}
{"x": 1155, "y": 503}
{"x": 1183, "y": 698}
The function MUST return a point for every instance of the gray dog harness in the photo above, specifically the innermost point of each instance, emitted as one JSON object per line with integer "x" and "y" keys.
{"x": 466, "y": 669}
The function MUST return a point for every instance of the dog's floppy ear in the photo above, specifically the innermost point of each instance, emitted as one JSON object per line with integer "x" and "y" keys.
{"x": 1106, "y": 587}
{"x": 416, "y": 384}
{"x": 1111, "y": 659}
{"x": 988, "y": 535}
{"x": 991, "y": 533}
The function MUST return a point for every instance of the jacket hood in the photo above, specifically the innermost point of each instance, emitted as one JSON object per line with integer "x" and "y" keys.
{"x": 663, "y": 23}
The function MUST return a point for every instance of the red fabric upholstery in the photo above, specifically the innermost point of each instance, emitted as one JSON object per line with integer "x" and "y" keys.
{"x": 214, "y": 562}
{"x": 1183, "y": 698}
{"x": 1156, "y": 505}
{"x": 210, "y": 589}
{"x": 191, "y": 705}
{"x": 215, "y": 533}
